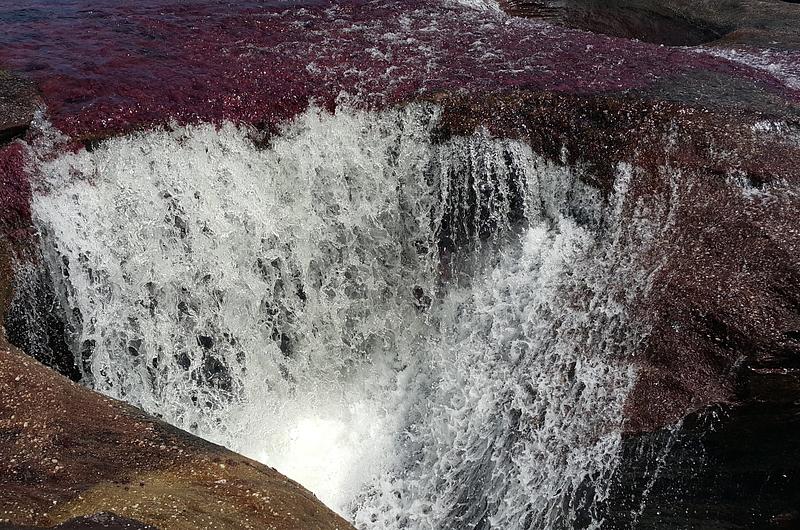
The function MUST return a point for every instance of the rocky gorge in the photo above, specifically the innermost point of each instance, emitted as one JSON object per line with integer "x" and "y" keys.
{"x": 665, "y": 167}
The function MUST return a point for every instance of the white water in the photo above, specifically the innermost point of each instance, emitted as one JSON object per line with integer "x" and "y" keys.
{"x": 482, "y": 5}
{"x": 289, "y": 302}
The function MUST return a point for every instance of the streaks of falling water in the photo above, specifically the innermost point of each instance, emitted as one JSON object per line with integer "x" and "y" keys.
{"x": 426, "y": 334}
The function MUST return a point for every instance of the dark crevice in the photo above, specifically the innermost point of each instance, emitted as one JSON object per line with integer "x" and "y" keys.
{"x": 11, "y": 133}
{"x": 741, "y": 458}
{"x": 36, "y": 322}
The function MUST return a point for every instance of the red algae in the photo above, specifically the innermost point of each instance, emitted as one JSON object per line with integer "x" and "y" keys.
{"x": 15, "y": 191}
{"x": 107, "y": 68}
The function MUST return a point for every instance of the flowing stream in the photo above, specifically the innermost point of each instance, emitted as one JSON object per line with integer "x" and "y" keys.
{"x": 427, "y": 333}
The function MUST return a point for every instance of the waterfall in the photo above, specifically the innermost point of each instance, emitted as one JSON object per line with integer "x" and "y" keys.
{"x": 427, "y": 333}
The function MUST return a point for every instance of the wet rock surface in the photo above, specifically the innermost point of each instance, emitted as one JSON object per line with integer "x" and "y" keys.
{"x": 728, "y": 467}
{"x": 674, "y": 22}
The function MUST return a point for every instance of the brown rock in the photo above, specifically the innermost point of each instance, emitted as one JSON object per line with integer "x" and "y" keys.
{"x": 100, "y": 521}
{"x": 18, "y": 101}
{"x": 68, "y": 452}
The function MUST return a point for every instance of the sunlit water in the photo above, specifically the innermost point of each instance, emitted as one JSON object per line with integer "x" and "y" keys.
{"x": 425, "y": 334}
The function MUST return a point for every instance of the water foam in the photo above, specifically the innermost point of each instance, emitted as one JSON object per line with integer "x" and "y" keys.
{"x": 425, "y": 334}
{"x": 482, "y": 5}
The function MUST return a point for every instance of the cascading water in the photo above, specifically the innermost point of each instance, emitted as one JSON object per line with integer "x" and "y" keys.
{"x": 483, "y": 5}
{"x": 427, "y": 334}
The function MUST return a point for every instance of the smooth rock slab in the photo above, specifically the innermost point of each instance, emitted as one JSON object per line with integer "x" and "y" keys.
{"x": 770, "y": 24}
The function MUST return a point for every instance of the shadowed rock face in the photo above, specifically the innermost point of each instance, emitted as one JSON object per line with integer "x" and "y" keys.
{"x": 620, "y": 19}
{"x": 673, "y": 22}
{"x": 724, "y": 468}
{"x": 35, "y": 321}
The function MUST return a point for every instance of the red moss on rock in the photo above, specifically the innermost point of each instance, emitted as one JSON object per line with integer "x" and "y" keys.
{"x": 15, "y": 192}
{"x": 106, "y": 67}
